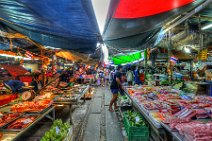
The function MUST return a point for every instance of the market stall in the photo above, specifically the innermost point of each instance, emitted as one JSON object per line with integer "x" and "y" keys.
{"x": 172, "y": 114}
{"x": 19, "y": 116}
{"x": 157, "y": 132}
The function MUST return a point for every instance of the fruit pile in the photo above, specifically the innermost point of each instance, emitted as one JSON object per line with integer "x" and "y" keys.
{"x": 135, "y": 119}
{"x": 57, "y": 132}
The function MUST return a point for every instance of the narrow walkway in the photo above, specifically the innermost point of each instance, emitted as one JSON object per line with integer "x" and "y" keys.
{"x": 102, "y": 125}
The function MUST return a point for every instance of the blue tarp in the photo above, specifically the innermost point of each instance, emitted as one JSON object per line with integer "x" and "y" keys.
{"x": 67, "y": 24}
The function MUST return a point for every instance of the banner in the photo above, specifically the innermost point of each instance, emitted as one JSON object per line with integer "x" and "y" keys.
{"x": 129, "y": 57}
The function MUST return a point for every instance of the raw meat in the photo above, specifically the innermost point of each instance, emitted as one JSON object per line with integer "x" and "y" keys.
{"x": 202, "y": 116}
{"x": 8, "y": 117}
{"x": 190, "y": 115}
{"x": 21, "y": 122}
{"x": 196, "y": 131}
{"x": 201, "y": 111}
{"x": 180, "y": 112}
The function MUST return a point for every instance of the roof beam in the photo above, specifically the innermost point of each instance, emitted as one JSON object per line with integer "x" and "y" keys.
{"x": 203, "y": 17}
{"x": 189, "y": 14}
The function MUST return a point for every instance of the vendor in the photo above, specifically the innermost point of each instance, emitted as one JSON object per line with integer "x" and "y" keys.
{"x": 37, "y": 82}
{"x": 14, "y": 85}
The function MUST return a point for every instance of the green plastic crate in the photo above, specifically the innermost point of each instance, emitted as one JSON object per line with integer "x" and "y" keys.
{"x": 135, "y": 133}
{"x": 138, "y": 138}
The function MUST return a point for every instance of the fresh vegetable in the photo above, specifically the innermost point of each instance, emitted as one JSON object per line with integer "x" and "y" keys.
{"x": 135, "y": 118}
{"x": 166, "y": 82}
{"x": 178, "y": 85}
{"x": 57, "y": 132}
{"x": 124, "y": 100}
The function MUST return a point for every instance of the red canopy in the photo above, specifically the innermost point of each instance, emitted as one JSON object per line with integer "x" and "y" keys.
{"x": 143, "y": 8}
{"x": 15, "y": 70}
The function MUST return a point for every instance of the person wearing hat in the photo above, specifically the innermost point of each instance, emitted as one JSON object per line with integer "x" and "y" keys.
{"x": 115, "y": 87}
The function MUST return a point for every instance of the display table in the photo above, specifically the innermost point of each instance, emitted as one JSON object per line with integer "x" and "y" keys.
{"x": 75, "y": 100}
{"x": 15, "y": 134}
{"x": 175, "y": 135}
{"x": 157, "y": 133}
{"x": 171, "y": 114}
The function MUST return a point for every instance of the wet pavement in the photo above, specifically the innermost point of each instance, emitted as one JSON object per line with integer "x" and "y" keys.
{"x": 102, "y": 125}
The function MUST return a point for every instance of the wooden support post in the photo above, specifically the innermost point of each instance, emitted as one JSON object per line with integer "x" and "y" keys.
{"x": 169, "y": 55}
{"x": 145, "y": 64}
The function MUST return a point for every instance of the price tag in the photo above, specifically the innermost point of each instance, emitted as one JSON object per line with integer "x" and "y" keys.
{"x": 26, "y": 121}
{"x": 137, "y": 119}
{"x": 57, "y": 130}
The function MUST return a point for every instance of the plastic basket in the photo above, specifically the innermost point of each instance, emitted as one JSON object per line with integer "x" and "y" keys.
{"x": 138, "y": 138}
{"x": 135, "y": 133}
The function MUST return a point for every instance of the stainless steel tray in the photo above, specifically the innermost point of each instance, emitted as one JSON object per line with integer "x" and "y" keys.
{"x": 6, "y": 124}
{"x": 19, "y": 130}
{"x": 41, "y": 111}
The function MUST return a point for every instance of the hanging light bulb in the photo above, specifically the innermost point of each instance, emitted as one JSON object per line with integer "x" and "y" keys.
{"x": 187, "y": 50}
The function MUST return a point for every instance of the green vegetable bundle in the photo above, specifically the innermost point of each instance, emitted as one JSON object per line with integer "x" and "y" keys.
{"x": 57, "y": 132}
{"x": 135, "y": 119}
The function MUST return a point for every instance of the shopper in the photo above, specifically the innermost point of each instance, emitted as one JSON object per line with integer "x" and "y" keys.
{"x": 136, "y": 76}
{"x": 98, "y": 79}
{"x": 101, "y": 76}
{"x": 116, "y": 87}
{"x": 142, "y": 76}
{"x": 80, "y": 73}
{"x": 129, "y": 76}
{"x": 94, "y": 76}
{"x": 37, "y": 82}
{"x": 106, "y": 72}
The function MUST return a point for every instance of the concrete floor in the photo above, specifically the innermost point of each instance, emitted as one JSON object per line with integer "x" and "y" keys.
{"x": 102, "y": 125}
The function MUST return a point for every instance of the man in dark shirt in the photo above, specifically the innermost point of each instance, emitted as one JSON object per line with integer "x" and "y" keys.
{"x": 115, "y": 87}
{"x": 37, "y": 82}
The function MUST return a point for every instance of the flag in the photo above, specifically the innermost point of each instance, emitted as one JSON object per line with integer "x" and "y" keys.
{"x": 173, "y": 59}
{"x": 28, "y": 54}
